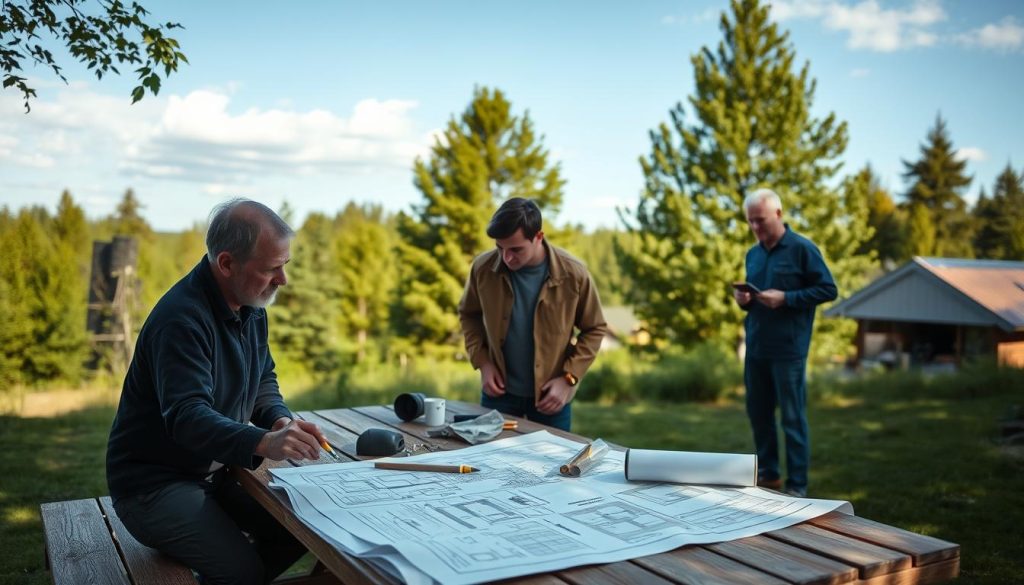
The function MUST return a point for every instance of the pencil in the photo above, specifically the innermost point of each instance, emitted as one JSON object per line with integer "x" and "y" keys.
{"x": 425, "y": 467}
{"x": 327, "y": 447}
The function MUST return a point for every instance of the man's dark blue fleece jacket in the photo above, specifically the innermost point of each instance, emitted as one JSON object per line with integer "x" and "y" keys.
{"x": 200, "y": 373}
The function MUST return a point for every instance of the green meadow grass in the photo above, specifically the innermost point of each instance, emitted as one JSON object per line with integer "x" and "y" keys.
{"x": 920, "y": 455}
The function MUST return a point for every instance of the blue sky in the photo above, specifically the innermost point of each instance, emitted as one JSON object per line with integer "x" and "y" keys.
{"x": 320, "y": 103}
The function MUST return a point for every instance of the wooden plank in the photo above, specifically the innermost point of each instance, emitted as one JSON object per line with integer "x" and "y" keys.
{"x": 356, "y": 422}
{"x": 789, "y": 563}
{"x": 342, "y": 440}
{"x": 939, "y": 572}
{"x": 624, "y": 573}
{"x": 147, "y": 566}
{"x": 922, "y": 549}
{"x": 870, "y": 560}
{"x": 78, "y": 544}
{"x": 699, "y": 566}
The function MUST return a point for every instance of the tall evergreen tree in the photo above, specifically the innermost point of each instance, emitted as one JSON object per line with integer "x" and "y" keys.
{"x": 305, "y": 314}
{"x": 1000, "y": 219}
{"x": 751, "y": 127}
{"x": 888, "y": 224}
{"x": 597, "y": 250}
{"x": 936, "y": 182}
{"x": 44, "y": 332}
{"x": 364, "y": 248}
{"x": 484, "y": 156}
{"x": 920, "y": 231}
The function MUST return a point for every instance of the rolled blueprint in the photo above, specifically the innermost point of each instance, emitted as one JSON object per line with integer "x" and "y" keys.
{"x": 688, "y": 467}
{"x": 587, "y": 457}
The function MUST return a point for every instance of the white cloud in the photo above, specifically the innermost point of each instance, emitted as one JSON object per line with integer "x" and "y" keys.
{"x": 786, "y": 10}
{"x": 197, "y": 145}
{"x": 971, "y": 153}
{"x": 709, "y": 14}
{"x": 870, "y": 26}
{"x": 197, "y": 137}
{"x": 1005, "y": 36}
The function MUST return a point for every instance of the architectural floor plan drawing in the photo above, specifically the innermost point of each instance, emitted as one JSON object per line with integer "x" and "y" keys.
{"x": 517, "y": 515}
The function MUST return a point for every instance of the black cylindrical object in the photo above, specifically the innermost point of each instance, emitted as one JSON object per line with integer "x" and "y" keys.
{"x": 409, "y": 406}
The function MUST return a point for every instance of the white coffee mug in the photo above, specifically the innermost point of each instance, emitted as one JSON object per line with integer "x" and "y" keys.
{"x": 433, "y": 411}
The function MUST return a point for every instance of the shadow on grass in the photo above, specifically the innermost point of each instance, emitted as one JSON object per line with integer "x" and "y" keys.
{"x": 45, "y": 460}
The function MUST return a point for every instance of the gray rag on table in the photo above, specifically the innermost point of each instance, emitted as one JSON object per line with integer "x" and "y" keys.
{"x": 478, "y": 430}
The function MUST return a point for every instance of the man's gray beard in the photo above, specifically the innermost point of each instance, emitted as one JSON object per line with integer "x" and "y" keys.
{"x": 264, "y": 303}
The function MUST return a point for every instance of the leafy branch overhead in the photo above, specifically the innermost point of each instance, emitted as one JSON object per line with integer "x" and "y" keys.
{"x": 101, "y": 34}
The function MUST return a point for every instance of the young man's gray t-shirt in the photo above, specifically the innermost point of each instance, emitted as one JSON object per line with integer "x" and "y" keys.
{"x": 518, "y": 348}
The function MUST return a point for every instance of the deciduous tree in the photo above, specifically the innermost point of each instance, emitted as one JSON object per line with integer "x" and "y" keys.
{"x": 101, "y": 34}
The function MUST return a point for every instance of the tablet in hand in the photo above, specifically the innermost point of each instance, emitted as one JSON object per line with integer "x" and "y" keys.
{"x": 746, "y": 287}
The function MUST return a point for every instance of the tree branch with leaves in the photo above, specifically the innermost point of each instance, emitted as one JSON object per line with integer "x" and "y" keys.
{"x": 100, "y": 34}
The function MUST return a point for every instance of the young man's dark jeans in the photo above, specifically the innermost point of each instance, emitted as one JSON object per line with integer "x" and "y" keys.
{"x": 201, "y": 524}
{"x": 524, "y": 406}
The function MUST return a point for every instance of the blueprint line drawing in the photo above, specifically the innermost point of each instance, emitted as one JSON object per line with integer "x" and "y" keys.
{"x": 518, "y": 515}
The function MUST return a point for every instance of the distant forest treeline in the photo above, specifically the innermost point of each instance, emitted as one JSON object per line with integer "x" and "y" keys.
{"x": 370, "y": 287}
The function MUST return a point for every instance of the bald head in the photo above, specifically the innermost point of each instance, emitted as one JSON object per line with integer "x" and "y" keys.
{"x": 235, "y": 227}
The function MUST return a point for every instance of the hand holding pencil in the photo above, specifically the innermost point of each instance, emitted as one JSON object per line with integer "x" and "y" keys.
{"x": 292, "y": 439}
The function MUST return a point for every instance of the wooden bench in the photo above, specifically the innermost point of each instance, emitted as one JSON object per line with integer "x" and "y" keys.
{"x": 87, "y": 543}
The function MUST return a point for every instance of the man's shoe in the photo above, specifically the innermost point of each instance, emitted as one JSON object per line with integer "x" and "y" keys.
{"x": 795, "y": 492}
{"x": 772, "y": 484}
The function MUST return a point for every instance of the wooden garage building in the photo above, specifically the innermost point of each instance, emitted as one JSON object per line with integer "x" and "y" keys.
{"x": 940, "y": 311}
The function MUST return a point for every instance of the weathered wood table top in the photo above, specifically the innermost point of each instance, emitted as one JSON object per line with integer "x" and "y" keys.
{"x": 832, "y": 549}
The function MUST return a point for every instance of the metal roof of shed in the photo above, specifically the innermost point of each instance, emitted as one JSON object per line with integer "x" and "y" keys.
{"x": 943, "y": 290}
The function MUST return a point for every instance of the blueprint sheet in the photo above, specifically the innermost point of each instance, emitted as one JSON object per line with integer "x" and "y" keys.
{"x": 517, "y": 515}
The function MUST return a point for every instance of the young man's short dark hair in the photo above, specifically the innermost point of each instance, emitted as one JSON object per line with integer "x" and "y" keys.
{"x": 515, "y": 213}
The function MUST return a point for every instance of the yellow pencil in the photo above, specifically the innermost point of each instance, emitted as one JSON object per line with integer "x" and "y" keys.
{"x": 327, "y": 447}
{"x": 425, "y": 467}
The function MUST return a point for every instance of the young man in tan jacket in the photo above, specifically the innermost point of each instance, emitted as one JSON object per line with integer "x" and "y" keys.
{"x": 522, "y": 303}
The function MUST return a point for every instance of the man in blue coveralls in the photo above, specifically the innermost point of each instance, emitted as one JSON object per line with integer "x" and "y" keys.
{"x": 793, "y": 280}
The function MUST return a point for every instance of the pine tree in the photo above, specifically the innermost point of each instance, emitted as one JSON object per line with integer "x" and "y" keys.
{"x": 920, "y": 231}
{"x": 597, "y": 251}
{"x": 305, "y": 314}
{"x": 364, "y": 249}
{"x": 1000, "y": 219}
{"x": 936, "y": 182}
{"x": 44, "y": 330}
{"x": 16, "y": 335}
{"x": 485, "y": 156}
{"x": 887, "y": 222}
{"x": 751, "y": 127}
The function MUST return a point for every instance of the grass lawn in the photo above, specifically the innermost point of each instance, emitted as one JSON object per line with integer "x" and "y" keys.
{"x": 925, "y": 458}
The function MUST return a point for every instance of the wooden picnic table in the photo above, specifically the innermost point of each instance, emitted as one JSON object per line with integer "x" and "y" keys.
{"x": 832, "y": 549}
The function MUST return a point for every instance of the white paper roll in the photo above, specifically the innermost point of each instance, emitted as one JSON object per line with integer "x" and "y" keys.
{"x": 731, "y": 469}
